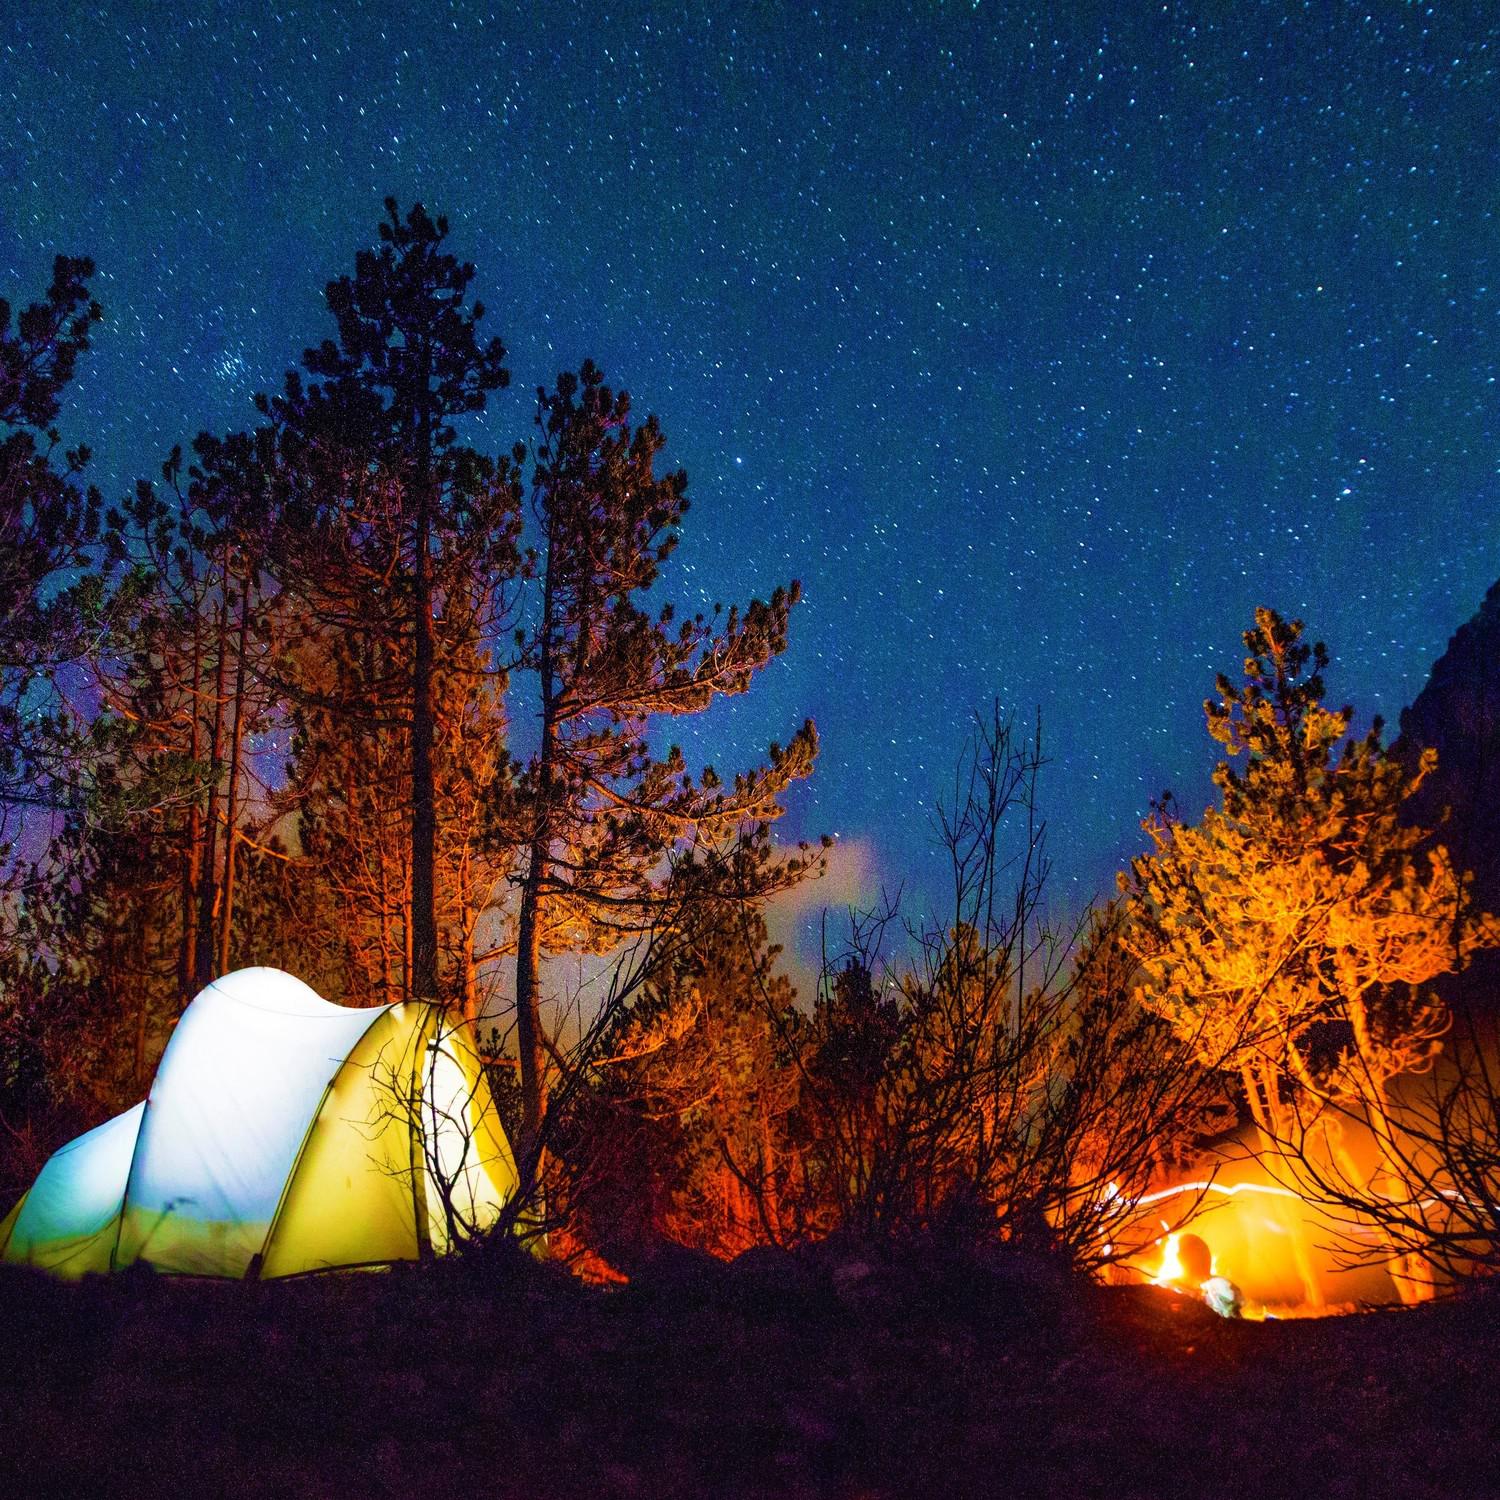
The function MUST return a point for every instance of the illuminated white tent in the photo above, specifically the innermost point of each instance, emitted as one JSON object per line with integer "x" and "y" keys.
{"x": 282, "y": 1134}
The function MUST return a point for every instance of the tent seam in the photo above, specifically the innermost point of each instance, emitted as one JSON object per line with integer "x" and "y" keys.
{"x": 135, "y": 1152}
{"x": 419, "y": 1208}
{"x": 11, "y": 1219}
{"x": 258, "y": 1260}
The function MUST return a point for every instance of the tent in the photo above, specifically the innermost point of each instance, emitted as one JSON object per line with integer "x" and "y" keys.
{"x": 282, "y": 1134}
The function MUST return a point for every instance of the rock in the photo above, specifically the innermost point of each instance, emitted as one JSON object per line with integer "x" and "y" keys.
{"x": 676, "y": 1270}
{"x": 853, "y": 1282}
{"x": 769, "y": 1277}
{"x": 1457, "y": 713}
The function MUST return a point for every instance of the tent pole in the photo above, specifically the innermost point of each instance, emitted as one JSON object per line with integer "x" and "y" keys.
{"x": 418, "y": 1136}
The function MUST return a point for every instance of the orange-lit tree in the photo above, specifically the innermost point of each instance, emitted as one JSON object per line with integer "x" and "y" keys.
{"x": 696, "y": 1079}
{"x": 349, "y": 779}
{"x": 601, "y": 816}
{"x": 1292, "y": 930}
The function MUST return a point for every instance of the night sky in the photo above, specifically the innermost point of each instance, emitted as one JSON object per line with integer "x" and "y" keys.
{"x": 1041, "y": 347}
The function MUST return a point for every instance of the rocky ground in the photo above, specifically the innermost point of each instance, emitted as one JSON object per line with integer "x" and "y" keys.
{"x": 841, "y": 1374}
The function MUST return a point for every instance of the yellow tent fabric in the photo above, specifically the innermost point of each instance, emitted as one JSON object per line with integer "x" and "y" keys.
{"x": 281, "y": 1135}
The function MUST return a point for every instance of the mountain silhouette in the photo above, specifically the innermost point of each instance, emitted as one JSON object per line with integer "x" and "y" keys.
{"x": 1457, "y": 713}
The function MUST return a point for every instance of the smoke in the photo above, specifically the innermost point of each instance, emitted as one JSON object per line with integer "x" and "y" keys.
{"x": 797, "y": 919}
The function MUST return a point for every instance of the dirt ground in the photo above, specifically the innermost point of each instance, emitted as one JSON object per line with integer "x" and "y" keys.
{"x": 847, "y": 1375}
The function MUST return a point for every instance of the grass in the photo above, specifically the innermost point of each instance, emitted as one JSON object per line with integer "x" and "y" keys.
{"x": 777, "y": 1376}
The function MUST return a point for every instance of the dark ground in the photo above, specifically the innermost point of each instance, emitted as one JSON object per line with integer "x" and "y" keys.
{"x": 841, "y": 1376}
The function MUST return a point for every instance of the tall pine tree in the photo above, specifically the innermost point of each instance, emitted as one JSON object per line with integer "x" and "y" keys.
{"x": 1292, "y": 932}
{"x": 397, "y": 527}
{"x": 600, "y": 814}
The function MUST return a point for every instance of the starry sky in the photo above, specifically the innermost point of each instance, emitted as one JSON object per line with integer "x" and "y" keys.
{"x": 1041, "y": 342}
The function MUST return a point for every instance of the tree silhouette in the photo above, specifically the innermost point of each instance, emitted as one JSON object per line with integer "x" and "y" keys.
{"x": 398, "y": 526}
{"x": 47, "y": 523}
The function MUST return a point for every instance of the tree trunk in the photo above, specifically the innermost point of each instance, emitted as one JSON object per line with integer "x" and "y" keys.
{"x": 529, "y": 1039}
{"x": 424, "y": 812}
{"x": 529, "y": 1017}
{"x": 470, "y": 980}
{"x": 208, "y": 884}
{"x": 424, "y": 970}
{"x": 192, "y": 868}
{"x": 231, "y": 808}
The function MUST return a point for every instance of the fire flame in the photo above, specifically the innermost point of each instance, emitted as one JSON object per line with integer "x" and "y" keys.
{"x": 1170, "y": 1272}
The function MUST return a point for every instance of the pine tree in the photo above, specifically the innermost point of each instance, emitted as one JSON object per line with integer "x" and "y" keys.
{"x": 349, "y": 779}
{"x": 599, "y": 812}
{"x": 397, "y": 529}
{"x": 1290, "y": 933}
{"x": 107, "y": 911}
{"x": 50, "y": 597}
{"x": 111, "y": 907}
{"x": 178, "y": 683}
{"x": 238, "y": 487}
{"x": 50, "y": 590}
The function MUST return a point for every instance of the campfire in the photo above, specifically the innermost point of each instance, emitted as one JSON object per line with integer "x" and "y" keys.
{"x": 1243, "y": 1231}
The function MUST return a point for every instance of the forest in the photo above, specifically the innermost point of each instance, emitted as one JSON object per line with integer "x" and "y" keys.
{"x": 346, "y": 695}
